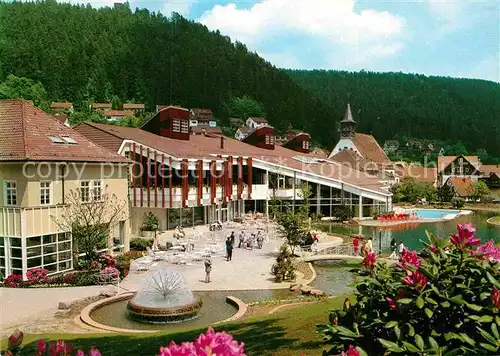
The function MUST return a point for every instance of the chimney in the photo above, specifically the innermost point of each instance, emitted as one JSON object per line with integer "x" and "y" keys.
{"x": 222, "y": 142}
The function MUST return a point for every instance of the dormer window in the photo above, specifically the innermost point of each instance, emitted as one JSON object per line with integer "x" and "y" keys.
{"x": 269, "y": 140}
{"x": 305, "y": 145}
{"x": 184, "y": 126}
{"x": 176, "y": 125}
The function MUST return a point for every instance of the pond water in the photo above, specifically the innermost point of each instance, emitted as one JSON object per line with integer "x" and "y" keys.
{"x": 332, "y": 277}
{"x": 412, "y": 233}
{"x": 215, "y": 308}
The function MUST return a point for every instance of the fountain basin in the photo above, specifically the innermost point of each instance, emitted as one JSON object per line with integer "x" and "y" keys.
{"x": 164, "y": 315}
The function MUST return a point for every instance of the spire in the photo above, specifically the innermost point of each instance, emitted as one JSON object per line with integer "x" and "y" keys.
{"x": 348, "y": 115}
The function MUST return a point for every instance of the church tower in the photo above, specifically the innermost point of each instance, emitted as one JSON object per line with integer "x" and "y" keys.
{"x": 348, "y": 125}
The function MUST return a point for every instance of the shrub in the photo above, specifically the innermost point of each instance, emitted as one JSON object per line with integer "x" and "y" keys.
{"x": 14, "y": 280}
{"x": 37, "y": 275}
{"x": 108, "y": 274}
{"x": 150, "y": 222}
{"x": 458, "y": 202}
{"x": 140, "y": 244}
{"x": 342, "y": 212}
{"x": 106, "y": 259}
{"x": 283, "y": 269}
{"x": 446, "y": 303}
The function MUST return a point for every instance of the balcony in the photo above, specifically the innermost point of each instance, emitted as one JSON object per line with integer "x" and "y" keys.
{"x": 286, "y": 194}
{"x": 32, "y": 221}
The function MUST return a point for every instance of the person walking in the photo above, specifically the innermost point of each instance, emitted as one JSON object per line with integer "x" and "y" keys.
{"x": 355, "y": 244}
{"x": 232, "y": 237}
{"x": 315, "y": 242}
{"x": 208, "y": 269}
{"x": 229, "y": 248}
{"x": 260, "y": 241}
{"x": 393, "y": 255}
{"x": 369, "y": 245}
{"x": 401, "y": 248}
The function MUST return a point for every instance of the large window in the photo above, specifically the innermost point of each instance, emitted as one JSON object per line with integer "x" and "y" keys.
{"x": 45, "y": 193}
{"x": 10, "y": 193}
{"x": 85, "y": 191}
{"x": 97, "y": 190}
{"x": 52, "y": 252}
{"x": 91, "y": 190}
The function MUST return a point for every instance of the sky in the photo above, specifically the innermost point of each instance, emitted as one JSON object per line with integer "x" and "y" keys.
{"x": 458, "y": 38}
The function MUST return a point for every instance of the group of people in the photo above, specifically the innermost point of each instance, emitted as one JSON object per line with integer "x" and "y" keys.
{"x": 247, "y": 242}
{"x": 396, "y": 248}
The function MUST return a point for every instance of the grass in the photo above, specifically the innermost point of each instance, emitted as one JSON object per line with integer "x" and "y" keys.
{"x": 495, "y": 219}
{"x": 288, "y": 332}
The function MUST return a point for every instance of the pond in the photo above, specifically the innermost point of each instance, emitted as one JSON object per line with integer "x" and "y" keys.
{"x": 412, "y": 233}
{"x": 333, "y": 277}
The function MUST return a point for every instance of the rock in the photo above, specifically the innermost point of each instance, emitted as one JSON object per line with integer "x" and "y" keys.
{"x": 305, "y": 290}
{"x": 295, "y": 287}
{"x": 110, "y": 291}
{"x": 62, "y": 312}
{"x": 64, "y": 305}
{"x": 317, "y": 292}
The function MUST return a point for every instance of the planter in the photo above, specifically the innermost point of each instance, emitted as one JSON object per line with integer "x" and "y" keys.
{"x": 148, "y": 234}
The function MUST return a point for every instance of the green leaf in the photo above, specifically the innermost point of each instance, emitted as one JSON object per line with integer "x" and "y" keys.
{"x": 346, "y": 332}
{"x": 410, "y": 347}
{"x": 428, "y": 312}
{"x": 391, "y": 324}
{"x": 467, "y": 339}
{"x": 485, "y": 319}
{"x": 492, "y": 280}
{"x": 433, "y": 343}
{"x": 494, "y": 330}
{"x": 488, "y": 347}
{"x": 474, "y": 317}
{"x": 484, "y": 296}
{"x": 361, "y": 351}
{"x": 420, "y": 302}
{"x": 391, "y": 346}
{"x": 487, "y": 336}
{"x": 474, "y": 307}
{"x": 445, "y": 304}
{"x": 430, "y": 300}
{"x": 451, "y": 336}
{"x": 419, "y": 342}
{"x": 397, "y": 331}
{"x": 457, "y": 299}
{"x": 411, "y": 329}
{"x": 404, "y": 300}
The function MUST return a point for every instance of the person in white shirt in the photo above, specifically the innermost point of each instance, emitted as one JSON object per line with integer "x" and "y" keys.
{"x": 401, "y": 248}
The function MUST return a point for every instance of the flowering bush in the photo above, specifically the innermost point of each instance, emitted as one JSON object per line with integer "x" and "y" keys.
{"x": 210, "y": 343}
{"x": 37, "y": 275}
{"x": 108, "y": 273}
{"x": 106, "y": 260}
{"x": 14, "y": 280}
{"x": 445, "y": 303}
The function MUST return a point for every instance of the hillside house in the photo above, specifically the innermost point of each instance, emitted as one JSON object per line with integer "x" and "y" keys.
{"x": 461, "y": 186}
{"x": 391, "y": 146}
{"x": 457, "y": 166}
{"x": 61, "y": 107}
{"x": 116, "y": 115}
{"x": 135, "y": 108}
{"x": 242, "y": 133}
{"x": 255, "y": 122}
{"x": 100, "y": 106}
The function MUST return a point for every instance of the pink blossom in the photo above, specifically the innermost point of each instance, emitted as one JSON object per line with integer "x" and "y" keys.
{"x": 351, "y": 352}
{"x": 415, "y": 279}
{"x": 370, "y": 259}
{"x": 495, "y": 298}
{"x": 60, "y": 347}
{"x": 94, "y": 352}
{"x": 409, "y": 258}
{"x": 80, "y": 353}
{"x": 16, "y": 339}
{"x": 489, "y": 251}
{"x": 392, "y": 304}
{"x": 41, "y": 346}
{"x": 465, "y": 237}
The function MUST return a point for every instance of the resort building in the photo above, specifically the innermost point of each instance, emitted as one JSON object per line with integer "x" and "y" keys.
{"x": 192, "y": 180}
{"x": 461, "y": 186}
{"x": 490, "y": 174}
{"x": 61, "y": 107}
{"x": 41, "y": 162}
{"x": 254, "y": 122}
{"x": 458, "y": 167}
{"x": 116, "y": 115}
{"x": 135, "y": 108}
{"x": 100, "y": 106}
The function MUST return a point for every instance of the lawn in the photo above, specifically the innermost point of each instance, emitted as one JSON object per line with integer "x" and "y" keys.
{"x": 288, "y": 332}
{"x": 495, "y": 220}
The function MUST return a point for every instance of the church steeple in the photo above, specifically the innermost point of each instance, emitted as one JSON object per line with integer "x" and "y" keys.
{"x": 348, "y": 125}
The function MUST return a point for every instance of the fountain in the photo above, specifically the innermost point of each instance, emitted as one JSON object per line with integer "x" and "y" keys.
{"x": 164, "y": 297}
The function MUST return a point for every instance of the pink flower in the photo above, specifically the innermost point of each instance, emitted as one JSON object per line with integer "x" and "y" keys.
{"x": 465, "y": 237}
{"x": 80, "y": 353}
{"x": 409, "y": 258}
{"x": 370, "y": 259}
{"x": 41, "y": 346}
{"x": 433, "y": 248}
{"x": 415, "y": 279}
{"x": 489, "y": 251}
{"x": 392, "y": 304}
{"x": 351, "y": 351}
{"x": 495, "y": 298}
{"x": 94, "y": 352}
{"x": 60, "y": 347}
{"x": 16, "y": 339}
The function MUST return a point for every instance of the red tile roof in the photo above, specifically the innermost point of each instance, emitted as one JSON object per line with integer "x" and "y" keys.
{"x": 206, "y": 129}
{"x": 259, "y": 120}
{"x": 245, "y": 129}
{"x": 58, "y": 105}
{"x": 370, "y": 149}
{"x": 200, "y": 146}
{"x": 420, "y": 173}
{"x": 349, "y": 158}
{"x": 61, "y": 118}
{"x": 444, "y": 161}
{"x": 101, "y": 106}
{"x": 462, "y": 186}
{"x": 25, "y": 131}
{"x": 487, "y": 169}
{"x": 134, "y": 106}
{"x": 108, "y": 113}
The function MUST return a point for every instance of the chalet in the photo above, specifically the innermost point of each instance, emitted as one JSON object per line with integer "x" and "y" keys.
{"x": 100, "y": 106}
{"x": 242, "y": 132}
{"x": 391, "y": 146}
{"x": 61, "y": 107}
{"x": 116, "y": 115}
{"x": 41, "y": 162}
{"x": 201, "y": 117}
{"x": 62, "y": 118}
{"x": 191, "y": 180}
{"x": 205, "y": 130}
{"x": 300, "y": 142}
{"x": 364, "y": 146}
{"x": 134, "y": 107}
{"x": 461, "y": 186}
{"x": 457, "y": 166}
{"x": 254, "y": 122}
{"x": 490, "y": 174}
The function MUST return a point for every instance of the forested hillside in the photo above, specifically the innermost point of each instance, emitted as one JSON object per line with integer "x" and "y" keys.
{"x": 84, "y": 55}
{"x": 396, "y": 104}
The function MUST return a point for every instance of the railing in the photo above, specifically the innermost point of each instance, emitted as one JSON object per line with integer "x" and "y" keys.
{"x": 35, "y": 221}
{"x": 343, "y": 249}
